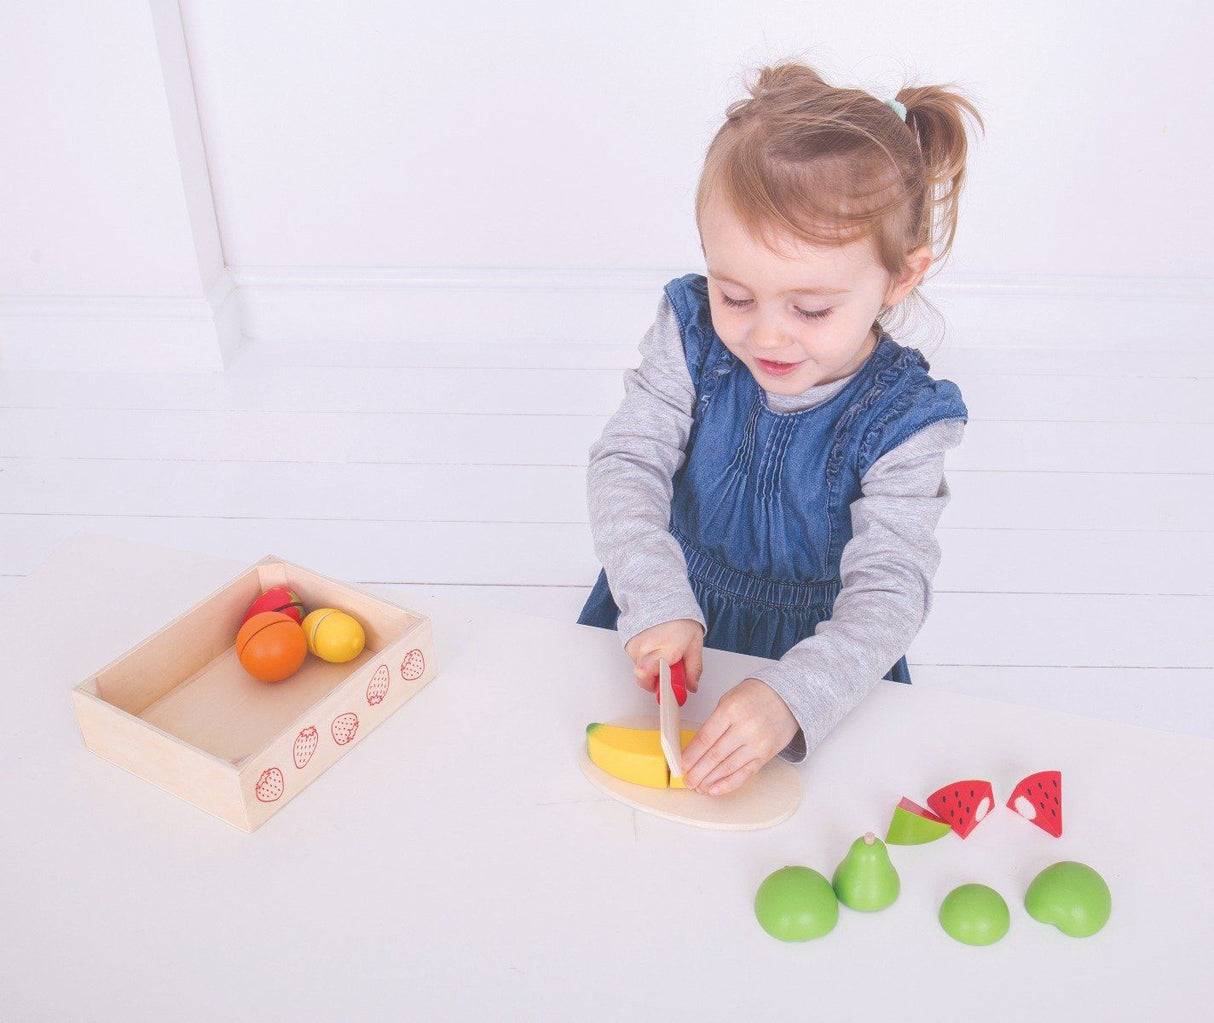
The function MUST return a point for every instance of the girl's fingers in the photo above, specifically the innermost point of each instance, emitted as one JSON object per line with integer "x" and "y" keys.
{"x": 736, "y": 779}
{"x": 693, "y": 667}
{"x": 647, "y": 673}
{"x": 715, "y": 750}
{"x": 738, "y": 759}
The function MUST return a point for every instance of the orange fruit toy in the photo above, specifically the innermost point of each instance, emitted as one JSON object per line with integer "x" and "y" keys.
{"x": 271, "y": 646}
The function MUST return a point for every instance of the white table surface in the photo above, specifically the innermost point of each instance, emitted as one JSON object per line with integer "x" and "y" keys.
{"x": 457, "y": 865}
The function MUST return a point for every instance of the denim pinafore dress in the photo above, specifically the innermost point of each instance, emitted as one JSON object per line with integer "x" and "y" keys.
{"x": 761, "y": 504}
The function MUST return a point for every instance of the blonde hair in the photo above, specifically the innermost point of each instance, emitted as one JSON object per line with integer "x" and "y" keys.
{"x": 830, "y": 166}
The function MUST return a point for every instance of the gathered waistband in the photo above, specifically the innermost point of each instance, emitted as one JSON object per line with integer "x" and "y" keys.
{"x": 790, "y": 593}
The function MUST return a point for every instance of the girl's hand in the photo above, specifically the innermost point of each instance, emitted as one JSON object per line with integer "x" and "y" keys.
{"x": 680, "y": 640}
{"x": 750, "y": 726}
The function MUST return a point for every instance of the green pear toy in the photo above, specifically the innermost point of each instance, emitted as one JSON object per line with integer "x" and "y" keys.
{"x": 866, "y": 880}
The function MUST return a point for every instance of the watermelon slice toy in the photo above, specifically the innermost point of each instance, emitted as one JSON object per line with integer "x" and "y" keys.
{"x": 913, "y": 824}
{"x": 963, "y": 804}
{"x": 1038, "y": 798}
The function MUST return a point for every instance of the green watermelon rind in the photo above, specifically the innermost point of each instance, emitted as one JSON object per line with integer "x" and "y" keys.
{"x": 906, "y": 828}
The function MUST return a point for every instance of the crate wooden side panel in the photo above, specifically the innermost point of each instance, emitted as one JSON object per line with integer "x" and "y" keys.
{"x": 166, "y": 762}
{"x": 178, "y": 650}
{"x": 326, "y": 732}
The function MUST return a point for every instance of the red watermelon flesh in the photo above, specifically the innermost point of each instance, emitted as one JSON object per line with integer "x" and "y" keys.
{"x": 963, "y": 804}
{"x": 1038, "y": 798}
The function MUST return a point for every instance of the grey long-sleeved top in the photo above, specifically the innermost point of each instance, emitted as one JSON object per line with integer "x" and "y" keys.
{"x": 885, "y": 571}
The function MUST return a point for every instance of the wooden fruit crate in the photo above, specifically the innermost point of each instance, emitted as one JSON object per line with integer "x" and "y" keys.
{"x": 181, "y": 711}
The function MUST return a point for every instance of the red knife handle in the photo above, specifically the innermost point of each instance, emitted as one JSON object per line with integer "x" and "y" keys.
{"x": 678, "y": 682}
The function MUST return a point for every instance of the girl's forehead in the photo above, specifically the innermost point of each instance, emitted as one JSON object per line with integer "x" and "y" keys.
{"x": 733, "y": 252}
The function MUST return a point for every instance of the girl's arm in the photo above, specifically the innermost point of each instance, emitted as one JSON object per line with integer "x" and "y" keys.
{"x": 885, "y": 595}
{"x": 629, "y": 485}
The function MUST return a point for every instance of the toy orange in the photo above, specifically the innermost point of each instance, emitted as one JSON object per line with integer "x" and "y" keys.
{"x": 271, "y": 646}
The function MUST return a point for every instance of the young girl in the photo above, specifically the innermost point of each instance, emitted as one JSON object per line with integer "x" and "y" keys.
{"x": 772, "y": 481}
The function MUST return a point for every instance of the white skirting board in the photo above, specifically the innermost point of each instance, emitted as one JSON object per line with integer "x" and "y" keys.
{"x": 121, "y": 333}
{"x": 598, "y": 305}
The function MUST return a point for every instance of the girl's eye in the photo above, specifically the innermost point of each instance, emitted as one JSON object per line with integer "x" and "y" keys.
{"x": 821, "y": 314}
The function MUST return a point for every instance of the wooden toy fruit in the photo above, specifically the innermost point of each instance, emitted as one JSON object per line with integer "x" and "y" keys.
{"x": 633, "y": 754}
{"x": 963, "y": 804}
{"x": 333, "y": 635}
{"x": 913, "y": 824}
{"x": 1038, "y": 798}
{"x": 678, "y": 682}
{"x": 975, "y": 915}
{"x": 277, "y": 598}
{"x": 1072, "y": 897}
{"x": 866, "y": 880}
{"x": 271, "y": 646}
{"x": 796, "y": 904}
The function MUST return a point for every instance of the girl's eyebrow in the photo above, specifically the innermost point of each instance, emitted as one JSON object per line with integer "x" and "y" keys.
{"x": 794, "y": 291}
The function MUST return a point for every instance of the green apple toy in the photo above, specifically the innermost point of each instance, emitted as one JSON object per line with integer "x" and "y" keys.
{"x": 796, "y": 904}
{"x": 1072, "y": 897}
{"x": 975, "y": 915}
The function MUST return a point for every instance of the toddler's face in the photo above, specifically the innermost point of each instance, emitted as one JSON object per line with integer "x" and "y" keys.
{"x": 788, "y": 336}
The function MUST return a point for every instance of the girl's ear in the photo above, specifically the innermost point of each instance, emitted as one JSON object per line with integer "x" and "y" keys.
{"x": 914, "y": 269}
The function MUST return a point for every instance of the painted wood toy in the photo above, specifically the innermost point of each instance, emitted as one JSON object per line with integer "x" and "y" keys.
{"x": 796, "y": 904}
{"x": 678, "y": 682}
{"x": 271, "y": 646}
{"x": 913, "y": 824}
{"x": 633, "y": 754}
{"x": 1038, "y": 798}
{"x": 975, "y": 915}
{"x": 1072, "y": 897}
{"x": 181, "y": 710}
{"x": 277, "y": 598}
{"x": 333, "y": 635}
{"x": 963, "y": 804}
{"x": 866, "y": 879}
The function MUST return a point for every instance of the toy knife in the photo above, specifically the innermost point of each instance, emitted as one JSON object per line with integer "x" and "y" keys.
{"x": 668, "y": 721}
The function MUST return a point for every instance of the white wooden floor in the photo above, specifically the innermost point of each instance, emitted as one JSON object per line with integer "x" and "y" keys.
{"x": 1078, "y": 548}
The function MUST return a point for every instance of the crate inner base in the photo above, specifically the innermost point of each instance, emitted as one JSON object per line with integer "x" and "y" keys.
{"x": 224, "y": 711}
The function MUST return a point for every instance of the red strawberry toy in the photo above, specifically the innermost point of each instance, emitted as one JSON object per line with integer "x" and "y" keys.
{"x": 1038, "y": 798}
{"x": 963, "y": 804}
{"x": 277, "y": 598}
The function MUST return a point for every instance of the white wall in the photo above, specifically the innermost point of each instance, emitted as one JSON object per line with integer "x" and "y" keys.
{"x": 109, "y": 235}
{"x": 398, "y": 170}
{"x": 376, "y": 133}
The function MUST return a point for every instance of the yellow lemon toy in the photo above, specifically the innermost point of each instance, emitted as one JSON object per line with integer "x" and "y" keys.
{"x": 333, "y": 635}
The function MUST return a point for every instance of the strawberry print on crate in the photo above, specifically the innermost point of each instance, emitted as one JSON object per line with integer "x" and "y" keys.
{"x": 377, "y": 688}
{"x": 305, "y": 745}
{"x": 344, "y": 727}
{"x": 270, "y": 785}
{"x": 413, "y": 666}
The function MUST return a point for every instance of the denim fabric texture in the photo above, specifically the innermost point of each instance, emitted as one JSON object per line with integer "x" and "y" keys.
{"x": 761, "y": 505}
